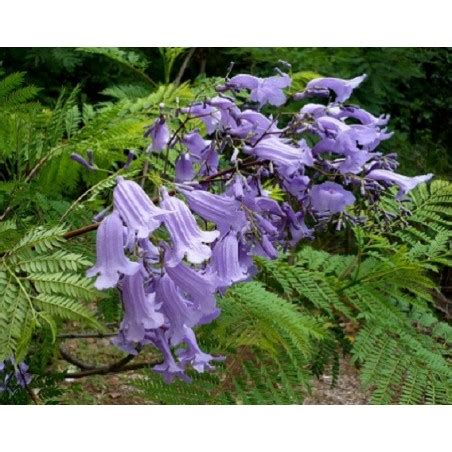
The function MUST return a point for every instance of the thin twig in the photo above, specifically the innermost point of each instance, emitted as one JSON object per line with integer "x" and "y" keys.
{"x": 111, "y": 370}
{"x": 85, "y": 335}
{"x": 184, "y": 65}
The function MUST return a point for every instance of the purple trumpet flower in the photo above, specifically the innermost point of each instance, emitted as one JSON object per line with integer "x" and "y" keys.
{"x": 222, "y": 210}
{"x": 404, "y": 183}
{"x": 193, "y": 355}
{"x": 198, "y": 287}
{"x": 225, "y": 261}
{"x": 228, "y": 111}
{"x": 196, "y": 145}
{"x": 287, "y": 158}
{"x": 187, "y": 238}
{"x": 323, "y": 86}
{"x": 111, "y": 260}
{"x": 136, "y": 209}
{"x": 140, "y": 314}
{"x": 184, "y": 168}
{"x": 263, "y": 90}
{"x": 297, "y": 226}
{"x": 343, "y": 112}
{"x": 330, "y": 198}
{"x": 210, "y": 116}
{"x": 169, "y": 369}
{"x": 252, "y": 125}
{"x": 177, "y": 310}
{"x": 159, "y": 134}
{"x": 363, "y": 116}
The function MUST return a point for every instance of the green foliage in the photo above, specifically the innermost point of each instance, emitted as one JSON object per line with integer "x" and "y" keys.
{"x": 39, "y": 284}
{"x": 270, "y": 345}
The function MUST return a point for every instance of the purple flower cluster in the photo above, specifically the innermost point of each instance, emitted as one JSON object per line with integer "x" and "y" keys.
{"x": 12, "y": 374}
{"x": 321, "y": 159}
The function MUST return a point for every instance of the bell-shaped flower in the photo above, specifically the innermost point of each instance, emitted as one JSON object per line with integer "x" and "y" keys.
{"x": 110, "y": 258}
{"x": 210, "y": 161}
{"x": 136, "y": 209}
{"x": 363, "y": 116}
{"x": 222, "y": 210}
{"x": 177, "y": 309}
{"x": 210, "y": 116}
{"x": 324, "y": 86}
{"x": 159, "y": 134}
{"x": 225, "y": 261}
{"x": 354, "y": 162}
{"x": 184, "y": 168}
{"x": 228, "y": 111}
{"x": 194, "y": 356}
{"x": 330, "y": 198}
{"x": 263, "y": 90}
{"x": 196, "y": 144}
{"x": 296, "y": 224}
{"x": 404, "y": 183}
{"x": 198, "y": 287}
{"x": 169, "y": 369}
{"x": 188, "y": 239}
{"x": 140, "y": 314}
{"x": 287, "y": 158}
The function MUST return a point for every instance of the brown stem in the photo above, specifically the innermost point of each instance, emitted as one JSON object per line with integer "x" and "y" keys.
{"x": 184, "y": 65}
{"x": 111, "y": 369}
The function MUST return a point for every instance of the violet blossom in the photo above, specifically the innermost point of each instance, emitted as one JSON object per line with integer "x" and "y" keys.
{"x": 110, "y": 258}
{"x": 159, "y": 134}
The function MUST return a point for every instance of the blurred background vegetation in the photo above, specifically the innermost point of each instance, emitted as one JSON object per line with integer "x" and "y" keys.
{"x": 414, "y": 85}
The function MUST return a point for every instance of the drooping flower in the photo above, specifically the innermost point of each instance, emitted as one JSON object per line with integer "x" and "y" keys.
{"x": 297, "y": 226}
{"x": 324, "y": 86}
{"x": 287, "y": 158}
{"x": 198, "y": 286}
{"x": 210, "y": 116}
{"x": 177, "y": 310}
{"x": 222, "y": 210}
{"x": 363, "y": 116}
{"x": 196, "y": 144}
{"x": 228, "y": 111}
{"x": 330, "y": 197}
{"x": 184, "y": 168}
{"x": 404, "y": 183}
{"x": 169, "y": 369}
{"x": 252, "y": 125}
{"x": 136, "y": 209}
{"x": 263, "y": 90}
{"x": 159, "y": 134}
{"x": 225, "y": 261}
{"x": 193, "y": 355}
{"x": 188, "y": 239}
{"x": 140, "y": 314}
{"x": 110, "y": 258}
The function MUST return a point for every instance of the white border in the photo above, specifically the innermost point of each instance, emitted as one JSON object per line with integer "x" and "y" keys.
{"x": 234, "y": 429}
{"x": 229, "y": 23}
